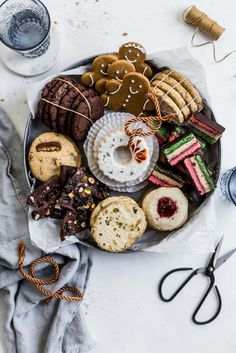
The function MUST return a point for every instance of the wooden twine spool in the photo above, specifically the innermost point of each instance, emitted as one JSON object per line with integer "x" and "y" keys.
{"x": 202, "y": 23}
{"x": 39, "y": 282}
{"x": 196, "y": 18}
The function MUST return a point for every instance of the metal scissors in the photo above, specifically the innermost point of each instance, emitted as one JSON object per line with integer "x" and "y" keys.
{"x": 214, "y": 263}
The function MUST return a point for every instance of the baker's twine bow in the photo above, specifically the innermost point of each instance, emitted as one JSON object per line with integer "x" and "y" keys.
{"x": 159, "y": 119}
{"x": 39, "y": 282}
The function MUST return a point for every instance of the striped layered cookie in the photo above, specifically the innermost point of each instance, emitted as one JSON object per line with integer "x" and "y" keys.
{"x": 184, "y": 146}
{"x": 200, "y": 174}
{"x": 164, "y": 175}
{"x": 206, "y": 128}
{"x": 162, "y": 133}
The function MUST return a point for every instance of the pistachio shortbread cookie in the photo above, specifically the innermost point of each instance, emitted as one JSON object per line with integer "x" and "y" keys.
{"x": 105, "y": 203}
{"x": 118, "y": 225}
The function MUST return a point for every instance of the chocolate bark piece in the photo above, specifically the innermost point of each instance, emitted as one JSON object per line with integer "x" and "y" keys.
{"x": 78, "y": 193}
{"x": 81, "y": 125}
{"x": 73, "y": 223}
{"x": 46, "y": 191}
{"x": 87, "y": 93}
{"x": 66, "y": 172}
{"x": 213, "y": 124}
{"x": 49, "y": 209}
{"x": 80, "y": 190}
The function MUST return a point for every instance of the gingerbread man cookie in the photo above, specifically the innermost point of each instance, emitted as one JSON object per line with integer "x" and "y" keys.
{"x": 130, "y": 94}
{"x": 117, "y": 70}
{"x": 99, "y": 69}
{"x": 135, "y": 54}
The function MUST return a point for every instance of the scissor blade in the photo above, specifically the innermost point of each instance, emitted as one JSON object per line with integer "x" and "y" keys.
{"x": 224, "y": 258}
{"x": 217, "y": 251}
{"x": 215, "y": 255}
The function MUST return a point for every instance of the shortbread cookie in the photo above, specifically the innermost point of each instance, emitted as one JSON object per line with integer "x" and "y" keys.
{"x": 168, "y": 106}
{"x": 49, "y": 151}
{"x": 117, "y": 70}
{"x": 136, "y": 54}
{"x": 99, "y": 69}
{"x": 187, "y": 85}
{"x": 165, "y": 208}
{"x": 118, "y": 225}
{"x": 118, "y": 162}
{"x": 130, "y": 94}
{"x": 178, "y": 87}
{"x": 103, "y": 204}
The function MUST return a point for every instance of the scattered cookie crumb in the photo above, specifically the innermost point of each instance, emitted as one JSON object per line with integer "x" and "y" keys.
{"x": 77, "y": 3}
{"x": 55, "y": 23}
{"x": 25, "y": 101}
{"x": 125, "y": 34}
{"x": 71, "y": 22}
{"x": 2, "y": 100}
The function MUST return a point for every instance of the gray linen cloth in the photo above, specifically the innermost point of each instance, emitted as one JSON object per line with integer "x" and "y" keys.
{"x": 31, "y": 326}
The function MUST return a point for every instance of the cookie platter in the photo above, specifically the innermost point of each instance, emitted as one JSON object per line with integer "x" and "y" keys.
{"x": 120, "y": 212}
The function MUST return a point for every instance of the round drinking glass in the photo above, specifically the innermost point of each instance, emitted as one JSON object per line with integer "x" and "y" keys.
{"x": 29, "y": 44}
{"x": 25, "y": 27}
{"x": 228, "y": 185}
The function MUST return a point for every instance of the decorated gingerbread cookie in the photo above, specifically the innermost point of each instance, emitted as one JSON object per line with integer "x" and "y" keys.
{"x": 130, "y": 94}
{"x": 117, "y": 70}
{"x": 135, "y": 54}
{"x": 99, "y": 69}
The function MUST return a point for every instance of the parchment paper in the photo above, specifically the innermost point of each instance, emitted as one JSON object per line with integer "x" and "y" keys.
{"x": 199, "y": 233}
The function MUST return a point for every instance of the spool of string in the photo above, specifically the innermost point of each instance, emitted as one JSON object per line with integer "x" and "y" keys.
{"x": 202, "y": 23}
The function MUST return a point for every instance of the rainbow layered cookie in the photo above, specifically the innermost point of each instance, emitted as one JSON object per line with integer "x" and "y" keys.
{"x": 164, "y": 175}
{"x": 162, "y": 133}
{"x": 178, "y": 131}
{"x": 206, "y": 128}
{"x": 184, "y": 146}
{"x": 200, "y": 174}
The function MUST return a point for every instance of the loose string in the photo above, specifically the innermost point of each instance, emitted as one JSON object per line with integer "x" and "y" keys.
{"x": 213, "y": 47}
{"x": 68, "y": 109}
{"x": 159, "y": 119}
{"x": 204, "y": 24}
{"x": 39, "y": 282}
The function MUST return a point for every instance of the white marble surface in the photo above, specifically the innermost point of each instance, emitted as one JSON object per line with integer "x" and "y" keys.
{"x": 121, "y": 304}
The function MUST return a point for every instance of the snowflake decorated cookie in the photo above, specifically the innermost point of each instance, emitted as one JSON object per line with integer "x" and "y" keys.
{"x": 120, "y": 163}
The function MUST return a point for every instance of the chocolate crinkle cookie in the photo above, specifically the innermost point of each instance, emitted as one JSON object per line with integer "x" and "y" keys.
{"x": 82, "y": 106}
{"x": 70, "y": 197}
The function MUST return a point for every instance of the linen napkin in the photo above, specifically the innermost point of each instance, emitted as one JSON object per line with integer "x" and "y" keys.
{"x": 31, "y": 326}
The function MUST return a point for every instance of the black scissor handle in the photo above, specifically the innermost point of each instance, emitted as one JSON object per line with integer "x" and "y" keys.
{"x": 211, "y": 286}
{"x": 180, "y": 287}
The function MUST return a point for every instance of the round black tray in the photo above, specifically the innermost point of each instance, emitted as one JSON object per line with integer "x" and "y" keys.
{"x": 34, "y": 127}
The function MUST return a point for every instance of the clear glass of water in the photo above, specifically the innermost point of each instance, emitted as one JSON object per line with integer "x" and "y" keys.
{"x": 29, "y": 44}
{"x": 25, "y": 26}
{"x": 228, "y": 185}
